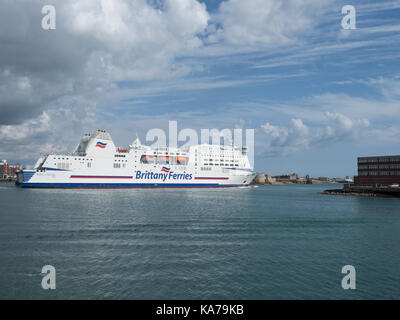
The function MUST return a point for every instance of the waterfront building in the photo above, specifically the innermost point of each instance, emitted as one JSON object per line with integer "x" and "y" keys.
{"x": 379, "y": 170}
{"x": 287, "y": 177}
{"x": 8, "y": 171}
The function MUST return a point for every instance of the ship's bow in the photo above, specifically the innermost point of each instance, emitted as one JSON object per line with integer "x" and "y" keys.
{"x": 23, "y": 177}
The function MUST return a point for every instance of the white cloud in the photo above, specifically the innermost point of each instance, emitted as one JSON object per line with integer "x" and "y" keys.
{"x": 367, "y": 8}
{"x": 269, "y": 23}
{"x": 297, "y": 136}
{"x": 100, "y": 42}
{"x": 55, "y": 130}
{"x": 380, "y": 106}
{"x": 135, "y": 40}
{"x": 95, "y": 44}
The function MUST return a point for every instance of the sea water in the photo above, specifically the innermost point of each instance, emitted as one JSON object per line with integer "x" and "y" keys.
{"x": 267, "y": 242}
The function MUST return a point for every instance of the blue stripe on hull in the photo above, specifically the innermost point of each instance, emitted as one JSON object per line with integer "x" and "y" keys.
{"x": 125, "y": 185}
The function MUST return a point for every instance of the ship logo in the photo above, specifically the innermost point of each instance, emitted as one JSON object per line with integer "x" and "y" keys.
{"x": 165, "y": 169}
{"x": 101, "y": 144}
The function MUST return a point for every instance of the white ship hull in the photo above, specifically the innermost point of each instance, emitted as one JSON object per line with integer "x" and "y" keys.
{"x": 98, "y": 164}
{"x": 59, "y": 179}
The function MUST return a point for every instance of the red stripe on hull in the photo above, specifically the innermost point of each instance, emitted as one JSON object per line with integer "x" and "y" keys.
{"x": 84, "y": 177}
{"x": 211, "y": 178}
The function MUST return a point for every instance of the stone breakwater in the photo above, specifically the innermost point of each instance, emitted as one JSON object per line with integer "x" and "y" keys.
{"x": 364, "y": 191}
{"x": 341, "y": 192}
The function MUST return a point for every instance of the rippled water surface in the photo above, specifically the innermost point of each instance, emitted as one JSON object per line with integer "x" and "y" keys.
{"x": 272, "y": 242}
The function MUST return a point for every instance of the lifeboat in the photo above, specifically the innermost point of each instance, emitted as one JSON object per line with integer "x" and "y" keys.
{"x": 122, "y": 150}
{"x": 181, "y": 160}
{"x": 148, "y": 157}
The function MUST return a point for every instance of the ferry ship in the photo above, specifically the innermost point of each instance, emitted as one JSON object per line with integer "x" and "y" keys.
{"x": 98, "y": 163}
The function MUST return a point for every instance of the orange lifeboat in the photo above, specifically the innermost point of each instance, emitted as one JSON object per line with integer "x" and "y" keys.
{"x": 181, "y": 159}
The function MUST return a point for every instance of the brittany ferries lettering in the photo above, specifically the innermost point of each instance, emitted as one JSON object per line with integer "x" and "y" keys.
{"x": 97, "y": 163}
{"x": 163, "y": 176}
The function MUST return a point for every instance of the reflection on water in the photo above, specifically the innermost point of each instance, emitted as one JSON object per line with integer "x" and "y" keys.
{"x": 273, "y": 242}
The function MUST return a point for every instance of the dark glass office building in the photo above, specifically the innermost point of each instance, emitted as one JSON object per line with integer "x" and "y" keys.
{"x": 381, "y": 170}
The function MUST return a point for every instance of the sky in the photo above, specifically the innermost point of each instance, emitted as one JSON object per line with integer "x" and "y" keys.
{"x": 317, "y": 95}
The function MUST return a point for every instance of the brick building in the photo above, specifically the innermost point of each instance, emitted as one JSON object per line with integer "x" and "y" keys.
{"x": 381, "y": 170}
{"x": 8, "y": 171}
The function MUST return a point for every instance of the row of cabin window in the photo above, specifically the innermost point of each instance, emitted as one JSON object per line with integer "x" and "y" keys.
{"x": 80, "y": 159}
{"x": 216, "y": 157}
{"x": 225, "y": 165}
{"x": 66, "y": 166}
{"x": 63, "y": 165}
{"x": 170, "y": 154}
